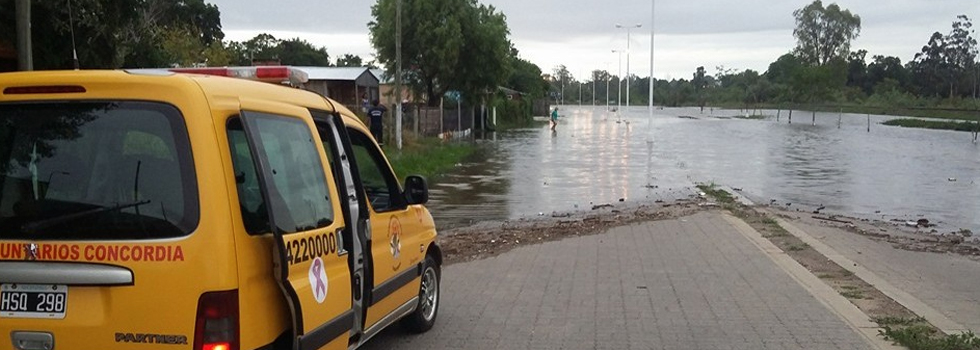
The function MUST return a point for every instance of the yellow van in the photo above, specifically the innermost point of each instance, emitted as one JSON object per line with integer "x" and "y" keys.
{"x": 156, "y": 210}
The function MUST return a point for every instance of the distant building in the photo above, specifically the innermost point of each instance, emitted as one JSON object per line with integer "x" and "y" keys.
{"x": 387, "y": 89}
{"x": 350, "y": 86}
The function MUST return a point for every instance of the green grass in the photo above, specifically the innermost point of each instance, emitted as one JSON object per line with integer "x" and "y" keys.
{"x": 933, "y": 124}
{"x": 751, "y": 117}
{"x": 897, "y": 321}
{"x": 719, "y": 195}
{"x": 852, "y": 294}
{"x": 925, "y": 337}
{"x": 429, "y": 157}
{"x": 798, "y": 247}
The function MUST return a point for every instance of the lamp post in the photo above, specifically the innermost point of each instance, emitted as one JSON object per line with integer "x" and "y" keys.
{"x": 398, "y": 74}
{"x": 607, "y": 87}
{"x": 619, "y": 84}
{"x": 628, "y": 60}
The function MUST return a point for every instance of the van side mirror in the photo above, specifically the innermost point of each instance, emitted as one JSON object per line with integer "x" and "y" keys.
{"x": 416, "y": 190}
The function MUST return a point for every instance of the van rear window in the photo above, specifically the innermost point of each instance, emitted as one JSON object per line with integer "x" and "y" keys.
{"x": 95, "y": 171}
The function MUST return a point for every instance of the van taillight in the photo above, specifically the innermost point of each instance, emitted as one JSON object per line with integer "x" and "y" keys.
{"x": 216, "y": 327}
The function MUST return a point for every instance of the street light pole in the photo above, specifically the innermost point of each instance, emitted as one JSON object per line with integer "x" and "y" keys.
{"x": 628, "y": 61}
{"x": 607, "y": 87}
{"x": 398, "y": 73}
{"x": 653, "y": 24}
{"x": 619, "y": 84}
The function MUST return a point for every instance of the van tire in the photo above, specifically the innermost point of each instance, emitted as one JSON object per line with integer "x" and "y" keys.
{"x": 424, "y": 316}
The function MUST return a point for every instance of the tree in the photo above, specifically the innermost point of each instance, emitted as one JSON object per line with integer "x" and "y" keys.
{"x": 946, "y": 64}
{"x": 857, "y": 71}
{"x": 560, "y": 82}
{"x": 446, "y": 45}
{"x": 884, "y": 68}
{"x": 431, "y": 42}
{"x": 299, "y": 52}
{"x": 349, "y": 60}
{"x": 484, "y": 62}
{"x": 264, "y": 46}
{"x": 526, "y": 77}
{"x": 114, "y": 33}
{"x": 823, "y": 34}
{"x": 700, "y": 84}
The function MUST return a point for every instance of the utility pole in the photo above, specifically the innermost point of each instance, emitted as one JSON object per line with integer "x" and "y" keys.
{"x": 25, "y": 60}
{"x": 653, "y": 19}
{"x": 628, "y": 61}
{"x": 398, "y": 73}
{"x": 619, "y": 85}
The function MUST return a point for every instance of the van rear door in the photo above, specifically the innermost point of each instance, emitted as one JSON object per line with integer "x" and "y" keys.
{"x": 98, "y": 200}
{"x": 307, "y": 220}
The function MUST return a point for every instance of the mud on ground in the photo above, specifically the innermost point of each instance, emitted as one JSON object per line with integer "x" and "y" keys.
{"x": 898, "y": 233}
{"x": 487, "y": 239}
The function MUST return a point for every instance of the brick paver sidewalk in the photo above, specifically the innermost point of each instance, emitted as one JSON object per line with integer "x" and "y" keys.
{"x": 689, "y": 283}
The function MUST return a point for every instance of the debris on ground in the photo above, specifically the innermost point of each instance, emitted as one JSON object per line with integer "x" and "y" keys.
{"x": 493, "y": 238}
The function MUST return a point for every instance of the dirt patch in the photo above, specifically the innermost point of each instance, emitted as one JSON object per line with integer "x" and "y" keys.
{"x": 863, "y": 295}
{"x": 900, "y": 234}
{"x": 488, "y": 239}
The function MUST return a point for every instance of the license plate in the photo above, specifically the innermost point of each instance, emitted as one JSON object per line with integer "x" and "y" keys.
{"x": 33, "y": 300}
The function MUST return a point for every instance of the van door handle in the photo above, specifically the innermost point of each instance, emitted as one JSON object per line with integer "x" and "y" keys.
{"x": 32, "y": 340}
{"x": 339, "y": 234}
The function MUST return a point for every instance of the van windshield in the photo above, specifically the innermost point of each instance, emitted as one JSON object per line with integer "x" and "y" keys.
{"x": 95, "y": 171}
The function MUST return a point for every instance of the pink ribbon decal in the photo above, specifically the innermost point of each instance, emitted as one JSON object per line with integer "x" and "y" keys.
{"x": 320, "y": 286}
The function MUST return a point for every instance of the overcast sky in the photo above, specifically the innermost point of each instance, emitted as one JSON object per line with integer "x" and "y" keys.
{"x": 745, "y": 34}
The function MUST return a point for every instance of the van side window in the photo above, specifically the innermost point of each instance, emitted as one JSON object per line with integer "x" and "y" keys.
{"x": 296, "y": 184}
{"x": 250, "y": 200}
{"x": 379, "y": 183}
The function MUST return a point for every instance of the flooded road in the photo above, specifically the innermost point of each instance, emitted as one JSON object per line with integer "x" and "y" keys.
{"x": 596, "y": 158}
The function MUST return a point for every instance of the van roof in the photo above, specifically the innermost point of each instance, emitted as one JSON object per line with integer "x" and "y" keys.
{"x": 211, "y": 86}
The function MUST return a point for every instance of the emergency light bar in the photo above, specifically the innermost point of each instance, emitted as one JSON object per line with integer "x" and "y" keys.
{"x": 269, "y": 74}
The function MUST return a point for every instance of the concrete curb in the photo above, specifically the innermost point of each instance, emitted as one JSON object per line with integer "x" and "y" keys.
{"x": 824, "y": 293}
{"x": 918, "y": 307}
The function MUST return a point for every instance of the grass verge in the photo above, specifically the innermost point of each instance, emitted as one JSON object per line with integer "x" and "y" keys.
{"x": 429, "y": 157}
{"x": 918, "y": 335}
{"x": 898, "y": 324}
{"x": 720, "y": 195}
{"x": 933, "y": 124}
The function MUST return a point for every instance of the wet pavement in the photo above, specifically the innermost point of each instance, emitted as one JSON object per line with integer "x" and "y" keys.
{"x": 596, "y": 158}
{"x": 694, "y": 282}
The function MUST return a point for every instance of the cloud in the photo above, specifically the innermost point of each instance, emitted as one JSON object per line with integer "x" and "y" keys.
{"x": 747, "y": 34}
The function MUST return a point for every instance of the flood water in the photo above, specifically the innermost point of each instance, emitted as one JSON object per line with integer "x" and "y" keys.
{"x": 592, "y": 159}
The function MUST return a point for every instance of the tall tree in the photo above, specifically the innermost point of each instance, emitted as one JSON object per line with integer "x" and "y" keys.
{"x": 299, "y": 52}
{"x": 823, "y": 34}
{"x": 945, "y": 65}
{"x": 432, "y": 38}
{"x": 349, "y": 60}
{"x": 484, "y": 61}
{"x": 561, "y": 82}
{"x": 114, "y": 33}
{"x": 700, "y": 83}
{"x": 526, "y": 77}
{"x": 446, "y": 45}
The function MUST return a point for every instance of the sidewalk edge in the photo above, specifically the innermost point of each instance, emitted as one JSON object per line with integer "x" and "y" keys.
{"x": 936, "y": 318}
{"x": 826, "y": 295}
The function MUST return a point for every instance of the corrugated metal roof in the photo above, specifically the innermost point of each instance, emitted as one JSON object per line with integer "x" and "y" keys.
{"x": 333, "y": 73}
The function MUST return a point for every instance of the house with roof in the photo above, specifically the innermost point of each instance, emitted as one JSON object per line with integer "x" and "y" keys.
{"x": 350, "y": 86}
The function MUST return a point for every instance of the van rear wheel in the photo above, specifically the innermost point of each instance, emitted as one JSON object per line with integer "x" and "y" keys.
{"x": 428, "y": 307}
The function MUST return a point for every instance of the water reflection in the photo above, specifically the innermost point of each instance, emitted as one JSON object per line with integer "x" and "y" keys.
{"x": 591, "y": 159}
